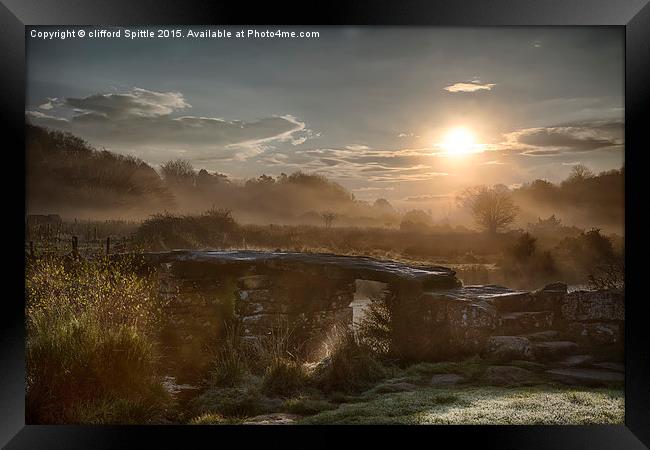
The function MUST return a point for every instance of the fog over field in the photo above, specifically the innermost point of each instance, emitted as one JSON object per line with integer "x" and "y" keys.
{"x": 410, "y": 115}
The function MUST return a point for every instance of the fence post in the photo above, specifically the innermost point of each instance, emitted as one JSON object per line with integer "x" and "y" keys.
{"x": 74, "y": 245}
{"x": 108, "y": 246}
{"x": 31, "y": 248}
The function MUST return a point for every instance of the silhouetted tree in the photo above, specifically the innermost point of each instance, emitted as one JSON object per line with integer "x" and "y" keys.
{"x": 328, "y": 218}
{"x": 524, "y": 247}
{"x": 492, "y": 208}
{"x": 178, "y": 171}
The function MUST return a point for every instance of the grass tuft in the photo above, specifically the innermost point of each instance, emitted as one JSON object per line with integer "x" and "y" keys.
{"x": 91, "y": 353}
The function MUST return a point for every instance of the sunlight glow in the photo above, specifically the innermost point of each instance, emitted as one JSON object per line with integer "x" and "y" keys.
{"x": 459, "y": 141}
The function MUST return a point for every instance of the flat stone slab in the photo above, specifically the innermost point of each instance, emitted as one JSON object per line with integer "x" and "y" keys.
{"x": 358, "y": 267}
{"x": 614, "y": 366}
{"x": 446, "y": 379}
{"x": 587, "y": 377}
{"x": 507, "y": 348}
{"x": 526, "y": 321}
{"x": 486, "y": 292}
{"x": 576, "y": 361}
{"x": 594, "y": 305}
{"x": 547, "y": 335}
{"x": 553, "y": 350}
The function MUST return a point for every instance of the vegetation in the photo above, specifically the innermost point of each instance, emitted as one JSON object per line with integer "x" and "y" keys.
{"x": 537, "y": 405}
{"x": 492, "y": 208}
{"x": 91, "y": 351}
{"x": 93, "y": 356}
{"x": 64, "y": 173}
{"x": 349, "y": 364}
{"x": 69, "y": 177}
{"x": 95, "y": 331}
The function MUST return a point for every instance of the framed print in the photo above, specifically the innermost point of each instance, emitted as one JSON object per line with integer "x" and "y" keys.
{"x": 375, "y": 219}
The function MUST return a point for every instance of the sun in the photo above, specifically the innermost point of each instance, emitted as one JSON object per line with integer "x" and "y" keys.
{"x": 459, "y": 141}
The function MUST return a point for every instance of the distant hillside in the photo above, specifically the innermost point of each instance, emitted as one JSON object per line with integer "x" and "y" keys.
{"x": 65, "y": 175}
{"x": 584, "y": 199}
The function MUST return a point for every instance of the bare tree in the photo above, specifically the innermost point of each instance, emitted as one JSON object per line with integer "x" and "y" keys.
{"x": 580, "y": 172}
{"x": 328, "y": 218}
{"x": 178, "y": 171}
{"x": 493, "y": 208}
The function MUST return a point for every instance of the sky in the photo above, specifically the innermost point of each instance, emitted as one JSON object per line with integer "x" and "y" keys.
{"x": 412, "y": 114}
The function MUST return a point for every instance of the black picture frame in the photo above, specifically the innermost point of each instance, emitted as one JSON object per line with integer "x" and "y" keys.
{"x": 633, "y": 15}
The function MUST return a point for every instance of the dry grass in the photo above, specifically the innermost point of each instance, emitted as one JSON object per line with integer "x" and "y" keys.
{"x": 91, "y": 351}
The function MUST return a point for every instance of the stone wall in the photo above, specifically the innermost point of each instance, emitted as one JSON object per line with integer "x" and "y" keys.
{"x": 434, "y": 318}
{"x": 307, "y": 304}
{"x": 547, "y": 324}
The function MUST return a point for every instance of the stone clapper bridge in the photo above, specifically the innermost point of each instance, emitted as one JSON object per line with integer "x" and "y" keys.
{"x": 433, "y": 316}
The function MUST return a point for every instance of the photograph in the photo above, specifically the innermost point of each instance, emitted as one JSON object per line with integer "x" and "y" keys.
{"x": 325, "y": 225}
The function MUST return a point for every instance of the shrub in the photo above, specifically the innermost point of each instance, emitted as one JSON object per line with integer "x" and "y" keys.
{"x": 610, "y": 275}
{"x": 214, "y": 228}
{"x": 283, "y": 377}
{"x": 90, "y": 351}
{"x": 375, "y": 329}
{"x": 349, "y": 365}
{"x": 231, "y": 361}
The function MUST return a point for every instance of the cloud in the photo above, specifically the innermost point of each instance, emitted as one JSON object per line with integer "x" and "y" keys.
{"x": 428, "y": 198}
{"x": 374, "y": 189}
{"x": 357, "y": 147}
{"x": 144, "y": 122}
{"x": 569, "y": 138}
{"x": 47, "y": 120}
{"x": 472, "y": 86}
{"x": 136, "y": 103}
{"x": 48, "y": 104}
{"x": 364, "y": 164}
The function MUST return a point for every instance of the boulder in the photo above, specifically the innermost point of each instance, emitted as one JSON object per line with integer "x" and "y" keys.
{"x": 512, "y": 302}
{"x": 604, "y": 305}
{"x": 264, "y": 323}
{"x": 507, "y": 348}
{"x": 586, "y": 377}
{"x": 446, "y": 379}
{"x": 255, "y": 295}
{"x": 507, "y": 375}
{"x": 613, "y": 366}
{"x": 550, "y": 297}
{"x": 546, "y": 335}
{"x": 525, "y": 322}
{"x": 553, "y": 350}
{"x": 595, "y": 333}
{"x": 576, "y": 361}
{"x": 447, "y": 326}
{"x": 254, "y": 282}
